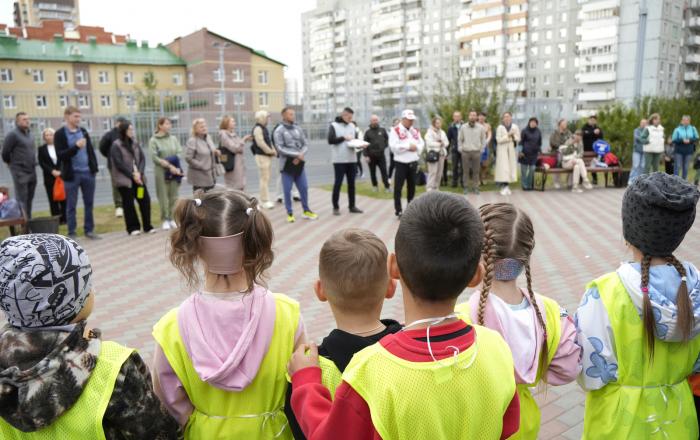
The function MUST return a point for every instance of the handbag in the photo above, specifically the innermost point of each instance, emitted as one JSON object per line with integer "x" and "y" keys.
{"x": 59, "y": 190}
{"x": 227, "y": 160}
{"x": 432, "y": 156}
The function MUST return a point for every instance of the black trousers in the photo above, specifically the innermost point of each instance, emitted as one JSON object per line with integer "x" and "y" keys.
{"x": 130, "y": 218}
{"x": 456, "y": 167}
{"x": 392, "y": 164}
{"x": 344, "y": 170}
{"x": 203, "y": 188}
{"x": 378, "y": 162}
{"x": 57, "y": 208}
{"x": 405, "y": 172}
{"x": 360, "y": 171}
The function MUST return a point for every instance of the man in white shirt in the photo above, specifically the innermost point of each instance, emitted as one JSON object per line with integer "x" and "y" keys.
{"x": 407, "y": 144}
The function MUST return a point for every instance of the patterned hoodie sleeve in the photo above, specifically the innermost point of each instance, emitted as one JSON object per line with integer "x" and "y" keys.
{"x": 134, "y": 411}
{"x": 597, "y": 341}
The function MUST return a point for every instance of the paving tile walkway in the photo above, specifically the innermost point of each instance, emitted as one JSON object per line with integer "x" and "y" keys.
{"x": 578, "y": 238}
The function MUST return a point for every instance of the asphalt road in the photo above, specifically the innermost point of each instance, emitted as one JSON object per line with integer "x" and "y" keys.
{"x": 319, "y": 171}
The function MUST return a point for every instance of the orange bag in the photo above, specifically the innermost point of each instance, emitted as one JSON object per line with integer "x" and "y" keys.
{"x": 59, "y": 190}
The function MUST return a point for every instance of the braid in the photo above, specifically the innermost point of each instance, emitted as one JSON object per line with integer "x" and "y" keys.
{"x": 647, "y": 311}
{"x": 490, "y": 252}
{"x": 544, "y": 353}
{"x": 686, "y": 319}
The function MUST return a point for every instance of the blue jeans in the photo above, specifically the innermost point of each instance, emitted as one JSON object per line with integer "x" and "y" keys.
{"x": 637, "y": 166}
{"x": 84, "y": 182}
{"x": 681, "y": 163}
{"x": 302, "y": 186}
{"x": 527, "y": 176}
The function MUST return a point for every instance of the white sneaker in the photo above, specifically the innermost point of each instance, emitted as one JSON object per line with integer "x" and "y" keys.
{"x": 166, "y": 225}
{"x": 557, "y": 185}
{"x": 268, "y": 205}
{"x": 153, "y": 231}
{"x": 173, "y": 225}
{"x": 119, "y": 212}
{"x": 135, "y": 233}
{"x": 577, "y": 190}
{"x": 508, "y": 191}
{"x": 587, "y": 185}
{"x": 504, "y": 191}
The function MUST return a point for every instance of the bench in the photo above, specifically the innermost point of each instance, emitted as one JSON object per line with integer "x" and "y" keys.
{"x": 546, "y": 172}
{"x": 13, "y": 223}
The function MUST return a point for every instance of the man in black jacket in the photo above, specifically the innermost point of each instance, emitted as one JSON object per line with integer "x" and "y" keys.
{"x": 378, "y": 140}
{"x": 78, "y": 169}
{"x": 453, "y": 138}
{"x": 105, "y": 146}
{"x": 19, "y": 152}
{"x": 591, "y": 133}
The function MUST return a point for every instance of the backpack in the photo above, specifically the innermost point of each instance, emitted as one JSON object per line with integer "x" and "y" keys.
{"x": 272, "y": 134}
{"x": 696, "y": 164}
{"x": 611, "y": 160}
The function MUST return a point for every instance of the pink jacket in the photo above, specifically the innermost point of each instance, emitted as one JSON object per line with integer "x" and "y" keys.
{"x": 565, "y": 365}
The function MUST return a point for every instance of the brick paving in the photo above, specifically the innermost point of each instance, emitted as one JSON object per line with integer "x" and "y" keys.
{"x": 578, "y": 238}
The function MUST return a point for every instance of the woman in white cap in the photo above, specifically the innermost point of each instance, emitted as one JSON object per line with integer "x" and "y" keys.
{"x": 407, "y": 144}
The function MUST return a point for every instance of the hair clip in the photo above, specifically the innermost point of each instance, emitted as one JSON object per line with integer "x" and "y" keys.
{"x": 645, "y": 290}
{"x": 249, "y": 212}
{"x": 198, "y": 202}
{"x": 684, "y": 279}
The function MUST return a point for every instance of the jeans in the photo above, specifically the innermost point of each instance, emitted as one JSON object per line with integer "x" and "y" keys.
{"x": 378, "y": 162}
{"x": 471, "y": 164}
{"x": 527, "y": 176}
{"x": 456, "y": 166}
{"x": 637, "y": 166}
{"x": 681, "y": 163}
{"x": 405, "y": 172}
{"x": 167, "y": 192}
{"x": 130, "y": 218}
{"x": 24, "y": 193}
{"x": 651, "y": 162}
{"x": 435, "y": 173}
{"x": 85, "y": 182}
{"x": 342, "y": 170}
{"x": 300, "y": 181}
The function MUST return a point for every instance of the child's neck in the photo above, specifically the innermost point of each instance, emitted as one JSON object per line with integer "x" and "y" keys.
{"x": 508, "y": 291}
{"x": 637, "y": 256}
{"x": 214, "y": 283}
{"x": 366, "y": 323}
{"x": 416, "y": 309}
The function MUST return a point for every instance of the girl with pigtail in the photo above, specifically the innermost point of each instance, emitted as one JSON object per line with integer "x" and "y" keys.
{"x": 638, "y": 326}
{"x": 221, "y": 356}
{"x": 541, "y": 335}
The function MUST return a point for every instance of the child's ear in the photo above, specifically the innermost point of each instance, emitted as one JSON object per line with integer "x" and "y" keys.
{"x": 393, "y": 266}
{"x": 390, "y": 289}
{"x": 478, "y": 276}
{"x": 320, "y": 291}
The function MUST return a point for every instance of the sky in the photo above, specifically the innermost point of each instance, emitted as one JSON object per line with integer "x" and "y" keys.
{"x": 272, "y": 26}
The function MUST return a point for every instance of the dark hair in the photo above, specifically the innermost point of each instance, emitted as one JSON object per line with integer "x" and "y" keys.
{"x": 161, "y": 121}
{"x": 438, "y": 246}
{"x": 19, "y": 114}
{"x": 220, "y": 214}
{"x": 482, "y": 114}
{"x": 121, "y": 131}
{"x": 533, "y": 119}
{"x": 285, "y": 110}
{"x": 348, "y": 110}
{"x": 593, "y": 117}
{"x": 509, "y": 234}
{"x": 121, "y": 120}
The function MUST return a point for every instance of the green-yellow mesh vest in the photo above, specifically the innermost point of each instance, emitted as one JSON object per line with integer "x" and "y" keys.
{"x": 457, "y": 398}
{"x": 529, "y": 411}
{"x": 648, "y": 400}
{"x": 331, "y": 376}
{"x": 257, "y": 411}
{"x": 84, "y": 419}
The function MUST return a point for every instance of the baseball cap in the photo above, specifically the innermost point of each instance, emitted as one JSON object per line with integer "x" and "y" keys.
{"x": 408, "y": 114}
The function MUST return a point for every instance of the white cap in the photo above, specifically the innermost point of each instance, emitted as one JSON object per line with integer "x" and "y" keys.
{"x": 408, "y": 114}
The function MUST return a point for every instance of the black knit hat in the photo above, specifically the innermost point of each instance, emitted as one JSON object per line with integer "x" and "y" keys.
{"x": 657, "y": 212}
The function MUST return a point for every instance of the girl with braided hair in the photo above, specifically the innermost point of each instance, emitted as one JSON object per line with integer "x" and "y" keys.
{"x": 540, "y": 333}
{"x": 638, "y": 326}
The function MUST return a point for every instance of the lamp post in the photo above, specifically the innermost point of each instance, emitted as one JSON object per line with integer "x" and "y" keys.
{"x": 222, "y": 73}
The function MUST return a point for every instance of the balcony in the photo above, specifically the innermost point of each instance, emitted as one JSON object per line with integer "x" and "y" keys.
{"x": 694, "y": 23}
{"x": 692, "y": 58}
{"x": 597, "y": 96}
{"x": 693, "y": 40}
{"x": 691, "y": 76}
{"x": 694, "y": 5}
{"x": 596, "y": 77}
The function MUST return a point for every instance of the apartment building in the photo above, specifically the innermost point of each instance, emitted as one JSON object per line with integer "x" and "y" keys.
{"x": 691, "y": 45}
{"x": 34, "y": 12}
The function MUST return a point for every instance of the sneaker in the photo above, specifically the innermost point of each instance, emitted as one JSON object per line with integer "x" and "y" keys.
{"x": 280, "y": 200}
{"x": 92, "y": 236}
{"x": 504, "y": 191}
{"x": 477, "y": 192}
{"x": 166, "y": 225}
{"x": 388, "y": 190}
{"x": 119, "y": 212}
{"x": 290, "y": 218}
{"x": 576, "y": 190}
{"x": 73, "y": 236}
{"x": 587, "y": 185}
{"x": 398, "y": 215}
{"x": 173, "y": 225}
{"x": 465, "y": 191}
{"x": 557, "y": 185}
{"x": 375, "y": 189}
{"x": 152, "y": 231}
{"x": 297, "y": 198}
{"x": 135, "y": 233}
{"x": 356, "y": 210}
{"x": 309, "y": 215}
{"x": 336, "y": 211}
{"x": 268, "y": 205}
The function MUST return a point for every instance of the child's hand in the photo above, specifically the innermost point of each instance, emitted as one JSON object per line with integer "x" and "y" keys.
{"x": 300, "y": 359}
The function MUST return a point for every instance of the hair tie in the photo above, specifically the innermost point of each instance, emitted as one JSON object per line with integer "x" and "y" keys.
{"x": 684, "y": 279}
{"x": 645, "y": 290}
{"x": 198, "y": 202}
{"x": 249, "y": 212}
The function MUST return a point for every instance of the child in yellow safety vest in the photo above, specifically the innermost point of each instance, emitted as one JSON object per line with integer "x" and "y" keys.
{"x": 638, "y": 326}
{"x": 354, "y": 280}
{"x": 538, "y": 331}
{"x": 58, "y": 380}
{"x": 439, "y": 378}
{"x": 220, "y": 359}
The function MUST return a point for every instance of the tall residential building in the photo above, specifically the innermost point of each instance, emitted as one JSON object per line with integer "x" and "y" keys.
{"x": 34, "y": 12}
{"x": 691, "y": 46}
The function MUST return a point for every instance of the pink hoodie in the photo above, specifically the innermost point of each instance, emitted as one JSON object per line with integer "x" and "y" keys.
{"x": 226, "y": 336}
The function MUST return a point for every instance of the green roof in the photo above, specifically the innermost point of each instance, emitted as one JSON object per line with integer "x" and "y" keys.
{"x": 12, "y": 48}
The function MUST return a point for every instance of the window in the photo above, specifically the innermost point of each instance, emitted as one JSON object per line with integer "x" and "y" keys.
{"x": 130, "y": 101}
{"x": 8, "y": 101}
{"x": 106, "y": 124}
{"x": 548, "y": 35}
{"x": 263, "y": 77}
{"x": 177, "y": 79}
{"x": 103, "y": 77}
{"x": 563, "y": 17}
{"x": 106, "y": 101}
{"x": 128, "y": 77}
{"x": 218, "y": 76}
{"x": 262, "y": 99}
{"x": 239, "y": 98}
{"x": 38, "y": 76}
{"x": 81, "y": 77}
{"x": 548, "y": 50}
{"x": 190, "y": 78}
{"x": 83, "y": 101}
{"x": 548, "y": 20}
{"x": 562, "y": 33}
{"x": 547, "y": 64}
{"x": 220, "y": 98}
{"x": 41, "y": 101}
{"x": 63, "y": 101}
{"x": 238, "y": 76}
{"x": 62, "y": 76}
{"x": 6, "y": 76}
